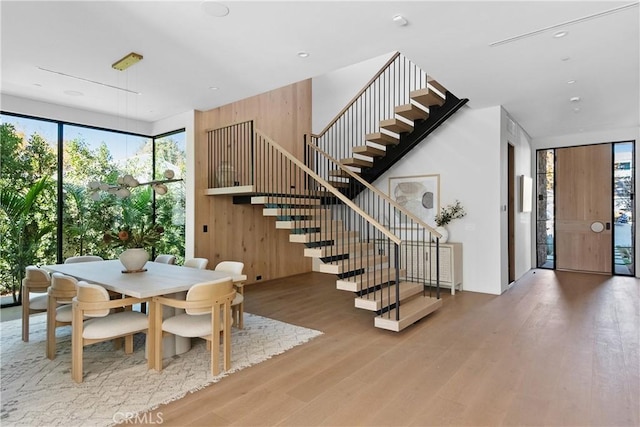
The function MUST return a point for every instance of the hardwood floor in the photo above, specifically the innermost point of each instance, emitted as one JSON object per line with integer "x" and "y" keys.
{"x": 556, "y": 349}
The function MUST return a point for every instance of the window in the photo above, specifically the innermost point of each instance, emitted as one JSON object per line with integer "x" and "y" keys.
{"x": 65, "y": 220}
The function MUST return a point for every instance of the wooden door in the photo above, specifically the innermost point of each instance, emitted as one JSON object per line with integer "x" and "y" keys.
{"x": 584, "y": 204}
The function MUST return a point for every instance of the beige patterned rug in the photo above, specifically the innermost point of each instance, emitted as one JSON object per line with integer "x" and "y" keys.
{"x": 37, "y": 391}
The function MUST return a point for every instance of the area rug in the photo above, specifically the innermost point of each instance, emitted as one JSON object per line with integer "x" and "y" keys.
{"x": 37, "y": 391}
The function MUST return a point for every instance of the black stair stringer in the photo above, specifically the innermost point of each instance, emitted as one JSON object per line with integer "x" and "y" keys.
{"x": 437, "y": 116}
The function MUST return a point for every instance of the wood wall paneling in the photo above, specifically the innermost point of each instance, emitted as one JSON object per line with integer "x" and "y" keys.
{"x": 241, "y": 232}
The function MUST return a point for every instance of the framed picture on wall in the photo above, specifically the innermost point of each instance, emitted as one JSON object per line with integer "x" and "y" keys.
{"x": 419, "y": 194}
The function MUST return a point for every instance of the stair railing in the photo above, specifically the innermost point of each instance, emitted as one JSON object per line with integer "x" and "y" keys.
{"x": 417, "y": 237}
{"x": 370, "y": 239}
{"x": 377, "y": 100}
{"x": 230, "y": 155}
{"x": 355, "y": 243}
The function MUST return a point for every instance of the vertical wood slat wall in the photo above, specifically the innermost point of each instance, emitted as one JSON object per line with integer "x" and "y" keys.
{"x": 241, "y": 232}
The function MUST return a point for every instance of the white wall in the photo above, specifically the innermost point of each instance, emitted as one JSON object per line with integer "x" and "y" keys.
{"x": 512, "y": 133}
{"x": 466, "y": 152}
{"x": 30, "y": 107}
{"x": 586, "y": 138}
{"x": 333, "y": 91}
{"x": 469, "y": 153}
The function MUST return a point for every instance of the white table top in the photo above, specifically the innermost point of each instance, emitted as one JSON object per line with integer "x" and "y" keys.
{"x": 159, "y": 279}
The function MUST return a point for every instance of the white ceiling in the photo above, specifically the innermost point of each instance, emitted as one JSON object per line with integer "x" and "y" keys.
{"x": 254, "y": 49}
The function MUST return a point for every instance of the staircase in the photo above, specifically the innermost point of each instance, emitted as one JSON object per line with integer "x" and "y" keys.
{"x": 361, "y": 264}
{"x": 377, "y": 143}
{"x": 329, "y": 206}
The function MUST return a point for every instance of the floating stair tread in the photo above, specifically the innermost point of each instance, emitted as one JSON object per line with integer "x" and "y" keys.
{"x": 352, "y": 161}
{"x": 357, "y": 263}
{"x": 296, "y": 212}
{"x": 426, "y": 97}
{"x": 386, "y": 295}
{"x": 238, "y": 190}
{"x": 411, "y": 112}
{"x": 320, "y": 236}
{"x": 367, "y": 150}
{"x": 410, "y": 312}
{"x": 339, "y": 173}
{"x": 339, "y": 184}
{"x": 338, "y": 249}
{"x": 437, "y": 86}
{"x": 369, "y": 279}
{"x": 312, "y": 223}
{"x": 284, "y": 200}
{"x": 381, "y": 138}
{"x": 396, "y": 125}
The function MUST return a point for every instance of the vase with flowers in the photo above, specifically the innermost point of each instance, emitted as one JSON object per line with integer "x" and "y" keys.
{"x": 134, "y": 240}
{"x": 446, "y": 215}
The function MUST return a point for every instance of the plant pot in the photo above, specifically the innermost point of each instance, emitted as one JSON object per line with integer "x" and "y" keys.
{"x": 444, "y": 232}
{"x": 134, "y": 260}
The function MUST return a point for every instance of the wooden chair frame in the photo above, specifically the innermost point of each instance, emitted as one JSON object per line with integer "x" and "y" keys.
{"x": 36, "y": 287}
{"x": 218, "y": 305}
{"x": 78, "y": 342}
{"x": 55, "y": 298}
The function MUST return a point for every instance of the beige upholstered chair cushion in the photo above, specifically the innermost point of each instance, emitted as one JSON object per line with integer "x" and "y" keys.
{"x": 64, "y": 313}
{"x": 88, "y": 292}
{"x": 38, "y": 303}
{"x": 200, "y": 263}
{"x": 186, "y": 325}
{"x": 238, "y": 299}
{"x": 166, "y": 259}
{"x": 114, "y": 325}
{"x": 233, "y": 267}
{"x": 83, "y": 258}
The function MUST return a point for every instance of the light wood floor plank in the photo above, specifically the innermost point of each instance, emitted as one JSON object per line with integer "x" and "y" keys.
{"x": 557, "y": 349}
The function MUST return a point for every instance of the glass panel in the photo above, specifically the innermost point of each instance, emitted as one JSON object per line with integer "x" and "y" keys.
{"x": 102, "y": 156}
{"x": 28, "y": 236}
{"x": 623, "y": 230}
{"x": 170, "y": 208}
{"x": 545, "y": 209}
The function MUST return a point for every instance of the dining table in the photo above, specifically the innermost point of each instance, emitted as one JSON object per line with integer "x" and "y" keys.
{"x": 155, "y": 279}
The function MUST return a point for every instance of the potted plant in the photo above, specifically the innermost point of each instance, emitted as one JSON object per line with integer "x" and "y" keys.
{"x": 446, "y": 215}
{"x": 134, "y": 240}
{"x": 134, "y": 231}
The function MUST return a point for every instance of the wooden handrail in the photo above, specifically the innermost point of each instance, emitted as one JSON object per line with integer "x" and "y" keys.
{"x": 382, "y": 70}
{"x": 331, "y": 189}
{"x": 375, "y": 190}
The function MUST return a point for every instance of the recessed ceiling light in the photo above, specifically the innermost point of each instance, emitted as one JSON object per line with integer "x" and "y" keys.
{"x": 574, "y": 99}
{"x": 400, "y": 20}
{"x": 213, "y": 88}
{"x": 303, "y": 54}
{"x": 570, "y": 82}
{"x": 560, "y": 34}
{"x": 73, "y": 93}
{"x": 214, "y": 8}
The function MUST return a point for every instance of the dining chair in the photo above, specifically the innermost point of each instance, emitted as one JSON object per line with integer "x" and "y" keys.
{"x": 92, "y": 301}
{"x": 207, "y": 315}
{"x": 200, "y": 263}
{"x": 82, "y": 258}
{"x": 36, "y": 281}
{"x": 237, "y": 305}
{"x": 165, "y": 259}
{"x": 59, "y": 309}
